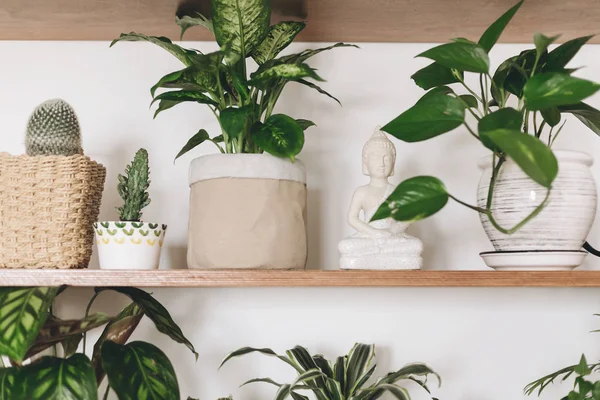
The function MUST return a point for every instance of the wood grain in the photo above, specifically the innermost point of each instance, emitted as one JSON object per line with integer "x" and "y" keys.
{"x": 328, "y": 20}
{"x": 310, "y": 278}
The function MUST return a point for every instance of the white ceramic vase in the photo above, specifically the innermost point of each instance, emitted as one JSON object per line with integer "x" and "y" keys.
{"x": 129, "y": 245}
{"x": 563, "y": 225}
{"x": 247, "y": 211}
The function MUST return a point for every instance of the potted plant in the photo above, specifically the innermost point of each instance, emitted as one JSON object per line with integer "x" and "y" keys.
{"x": 130, "y": 243}
{"x": 30, "y": 329}
{"x": 516, "y": 114}
{"x": 346, "y": 378}
{"x": 247, "y": 209}
{"x": 49, "y": 197}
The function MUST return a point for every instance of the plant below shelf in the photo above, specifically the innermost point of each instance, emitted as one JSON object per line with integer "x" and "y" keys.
{"x": 346, "y": 378}
{"x": 29, "y": 328}
{"x": 243, "y": 104}
{"x": 518, "y": 111}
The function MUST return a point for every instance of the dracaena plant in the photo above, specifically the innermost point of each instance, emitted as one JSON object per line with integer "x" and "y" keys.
{"x": 29, "y": 330}
{"x": 515, "y": 113}
{"x": 242, "y": 102}
{"x": 345, "y": 378}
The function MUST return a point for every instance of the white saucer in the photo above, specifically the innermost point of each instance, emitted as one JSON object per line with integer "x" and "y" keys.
{"x": 533, "y": 260}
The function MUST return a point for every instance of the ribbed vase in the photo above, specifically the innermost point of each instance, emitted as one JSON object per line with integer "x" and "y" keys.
{"x": 565, "y": 222}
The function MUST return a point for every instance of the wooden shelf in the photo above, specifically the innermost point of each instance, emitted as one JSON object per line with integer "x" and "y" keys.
{"x": 328, "y": 20}
{"x": 309, "y": 278}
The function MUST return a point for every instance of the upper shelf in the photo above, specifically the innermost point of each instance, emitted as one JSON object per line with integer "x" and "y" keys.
{"x": 328, "y": 20}
{"x": 309, "y": 278}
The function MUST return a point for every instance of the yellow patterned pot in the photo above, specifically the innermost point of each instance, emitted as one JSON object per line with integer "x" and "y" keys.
{"x": 129, "y": 245}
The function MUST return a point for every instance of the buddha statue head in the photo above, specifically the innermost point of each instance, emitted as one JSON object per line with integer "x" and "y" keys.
{"x": 379, "y": 156}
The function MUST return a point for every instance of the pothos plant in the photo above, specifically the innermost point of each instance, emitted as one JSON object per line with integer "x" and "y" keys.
{"x": 242, "y": 102}
{"x": 29, "y": 329}
{"x": 515, "y": 113}
{"x": 344, "y": 379}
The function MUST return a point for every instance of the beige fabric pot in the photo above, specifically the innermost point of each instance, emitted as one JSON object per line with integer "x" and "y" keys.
{"x": 247, "y": 211}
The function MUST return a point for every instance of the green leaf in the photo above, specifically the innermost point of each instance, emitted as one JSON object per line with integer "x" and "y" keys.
{"x": 185, "y": 95}
{"x": 504, "y": 118}
{"x": 235, "y": 120}
{"x": 435, "y": 75}
{"x": 305, "y": 124}
{"x": 306, "y": 54}
{"x": 8, "y": 390}
{"x": 411, "y": 371}
{"x": 551, "y": 116}
{"x": 358, "y": 364}
{"x": 534, "y": 157}
{"x": 440, "y": 90}
{"x": 139, "y": 371}
{"x": 183, "y": 55}
{"x": 54, "y": 378}
{"x": 303, "y": 358}
{"x": 278, "y": 38}
{"x": 469, "y": 100}
{"x": 559, "y": 57}
{"x": 318, "y": 89}
{"x": 165, "y": 105}
{"x": 553, "y": 89}
{"x": 268, "y": 352}
{"x": 265, "y": 74}
{"x": 156, "y": 312}
{"x": 492, "y": 34}
{"x": 428, "y": 118}
{"x": 194, "y": 141}
{"x": 280, "y": 136}
{"x": 187, "y": 21}
{"x": 587, "y": 114}
{"x": 261, "y": 380}
{"x": 542, "y": 42}
{"x": 241, "y": 24}
{"x": 119, "y": 330}
{"x": 414, "y": 199}
{"x": 398, "y": 392}
{"x": 189, "y": 78}
{"x": 582, "y": 368}
{"x": 461, "y": 56}
{"x": 23, "y": 312}
{"x": 57, "y": 331}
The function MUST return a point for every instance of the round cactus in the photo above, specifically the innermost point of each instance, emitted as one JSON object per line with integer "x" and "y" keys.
{"x": 53, "y": 129}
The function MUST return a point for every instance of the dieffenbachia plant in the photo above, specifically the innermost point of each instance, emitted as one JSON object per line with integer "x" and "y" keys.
{"x": 243, "y": 103}
{"x": 344, "y": 379}
{"x": 28, "y": 328}
{"x": 517, "y": 111}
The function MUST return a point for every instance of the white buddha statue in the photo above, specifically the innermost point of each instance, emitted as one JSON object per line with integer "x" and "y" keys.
{"x": 380, "y": 244}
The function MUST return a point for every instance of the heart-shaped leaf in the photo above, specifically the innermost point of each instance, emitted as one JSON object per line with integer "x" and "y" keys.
{"x": 278, "y": 38}
{"x": 462, "y": 56}
{"x": 469, "y": 100}
{"x": 492, "y": 34}
{"x": 414, "y": 199}
{"x": 435, "y": 75}
{"x": 235, "y": 120}
{"x": 428, "y": 118}
{"x": 504, "y": 118}
{"x": 183, "y": 55}
{"x": 280, "y": 136}
{"x": 587, "y": 114}
{"x": 139, "y": 371}
{"x": 542, "y": 42}
{"x": 241, "y": 24}
{"x": 553, "y": 89}
{"x": 559, "y": 57}
{"x": 551, "y": 115}
{"x": 23, "y": 312}
{"x": 534, "y": 157}
{"x": 156, "y": 312}
{"x": 53, "y": 378}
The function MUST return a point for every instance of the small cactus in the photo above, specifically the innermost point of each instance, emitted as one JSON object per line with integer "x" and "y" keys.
{"x": 132, "y": 187}
{"x": 53, "y": 129}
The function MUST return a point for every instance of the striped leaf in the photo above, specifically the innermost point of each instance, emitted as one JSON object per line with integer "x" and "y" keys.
{"x": 23, "y": 312}
{"x": 306, "y": 54}
{"x": 324, "y": 365}
{"x": 241, "y": 24}
{"x": 119, "y": 330}
{"x": 303, "y": 358}
{"x": 156, "y": 312}
{"x": 268, "y": 352}
{"x": 8, "y": 390}
{"x": 262, "y": 380}
{"x": 57, "y": 379}
{"x": 139, "y": 371}
{"x": 358, "y": 365}
{"x": 411, "y": 370}
{"x": 278, "y": 38}
{"x": 398, "y": 392}
{"x": 56, "y": 331}
{"x": 183, "y": 55}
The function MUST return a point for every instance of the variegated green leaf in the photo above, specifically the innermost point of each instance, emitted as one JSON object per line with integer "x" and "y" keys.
{"x": 185, "y": 95}
{"x": 339, "y": 371}
{"x": 139, "y": 371}
{"x": 308, "y": 376}
{"x": 119, "y": 330}
{"x": 23, "y": 312}
{"x": 358, "y": 364}
{"x": 268, "y": 352}
{"x": 57, "y": 331}
{"x": 187, "y": 21}
{"x": 318, "y": 89}
{"x": 323, "y": 364}
{"x": 280, "y": 136}
{"x": 162, "y": 106}
{"x": 182, "y": 79}
{"x": 306, "y": 54}
{"x": 411, "y": 370}
{"x": 54, "y": 378}
{"x": 241, "y": 24}
{"x": 156, "y": 312}
{"x": 260, "y": 380}
{"x": 183, "y": 55}
{"x": 278, "y": 38}
{"x": 398, "y": 392}
{"x": 267, "y": 73}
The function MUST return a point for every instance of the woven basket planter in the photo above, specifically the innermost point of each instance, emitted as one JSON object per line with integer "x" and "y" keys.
{"x": 48, "y": 205}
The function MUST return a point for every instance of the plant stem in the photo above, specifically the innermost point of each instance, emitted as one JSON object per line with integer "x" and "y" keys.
{"x": 483, "y": 95}
{"x": 557, "y": 133}
{"x": 105, "y": 397}
{"x": 539, "y": 132}
{"x": 515, "y": 228}
{"x": 535, "y": 127}
{"x": 469, "y": 89}
{"x": 526, "y": 122}
{"x": 550, "y": 136}
{"x": 495, "y": 172}
{"x": 477, "y": 117}
{"x": 471, "y": 131}
{"x": 478, "y": 209}
{"x": 87, "y": 312}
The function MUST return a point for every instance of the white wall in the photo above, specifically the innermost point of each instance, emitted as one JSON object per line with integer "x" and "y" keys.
{"x": 486, "y": 343}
